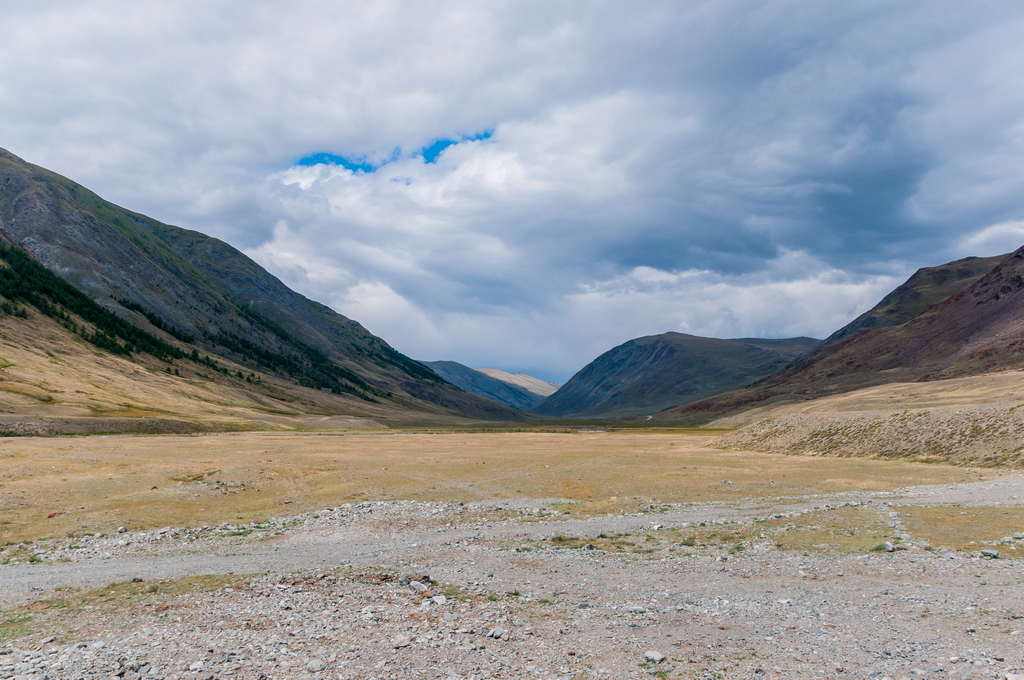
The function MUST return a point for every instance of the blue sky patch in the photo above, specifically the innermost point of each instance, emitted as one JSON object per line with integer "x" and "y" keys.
{"x": 431, "y": 152}
{"x": 362, "y": 164}
{"x": 355, "y": 165}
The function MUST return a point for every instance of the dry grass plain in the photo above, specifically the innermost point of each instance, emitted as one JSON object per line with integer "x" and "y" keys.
{"x": 53, "y": 487}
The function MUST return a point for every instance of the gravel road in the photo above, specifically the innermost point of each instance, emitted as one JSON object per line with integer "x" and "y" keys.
{"x": 505, "y": 589}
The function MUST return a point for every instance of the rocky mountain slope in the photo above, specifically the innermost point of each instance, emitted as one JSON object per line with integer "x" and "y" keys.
{"x": 201, "y": 295}
{"x": 653, "y": 373}
{"x": 976, "y": 329}
{"x": 928, "y": 286}
{"x": 515, "y": 389}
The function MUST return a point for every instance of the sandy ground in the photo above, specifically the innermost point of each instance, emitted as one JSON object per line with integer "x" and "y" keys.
{"x": 408, "y": 589}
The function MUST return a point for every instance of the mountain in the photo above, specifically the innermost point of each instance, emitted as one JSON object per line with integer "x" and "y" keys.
{"x": 976, "y": 328}
{"x": 201, "y": 295}
{"x": 928, "y": 286}
{"x": 515, "y": 389}
{"x": 542, "y": 388}
{"x": 656, "y": 372}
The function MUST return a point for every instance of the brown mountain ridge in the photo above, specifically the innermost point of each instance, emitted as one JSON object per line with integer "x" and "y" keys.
{"x": 978, "y": 328}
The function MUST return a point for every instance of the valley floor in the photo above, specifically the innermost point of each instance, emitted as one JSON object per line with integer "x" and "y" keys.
{"x": 757, "y": 588}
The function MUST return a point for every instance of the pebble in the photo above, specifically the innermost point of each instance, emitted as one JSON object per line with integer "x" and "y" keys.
{"x": 990, "y": 553}
{"x": 654, "y": 656}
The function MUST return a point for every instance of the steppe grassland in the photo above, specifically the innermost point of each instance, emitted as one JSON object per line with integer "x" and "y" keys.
{"x": 54, "y": 487}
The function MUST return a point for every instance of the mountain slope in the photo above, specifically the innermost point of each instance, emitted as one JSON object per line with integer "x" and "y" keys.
{"x": 542, "y": 388}
{"x": 979, "y": 328}
{"x": 927, "y": 286}
{"x": 202, "y": 294}
{"x": 483, "y": 384}
{"x": 649, "y": 374}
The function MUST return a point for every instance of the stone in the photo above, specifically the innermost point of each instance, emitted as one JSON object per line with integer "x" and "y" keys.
{"x": 315, "y": 666}
{"x": 121, "y": 530}
{"x": 417, "y": 586}
{"x": 440, "y": 599}
{"x": 1019, "y": 536}
{"x": 637, "y": 610}
{"x": 990, "y": 553}
{"x": 654, "y": 656}
{"x": 889, "y": 547}
{"x": 401, "y": 641}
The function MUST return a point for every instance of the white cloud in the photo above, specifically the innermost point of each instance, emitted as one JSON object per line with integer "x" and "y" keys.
{"x": 996, "y": 239}
{"x": 726, "y": 167}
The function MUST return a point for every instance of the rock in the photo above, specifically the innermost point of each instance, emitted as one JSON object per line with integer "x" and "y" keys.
{"x": 121, "y": 530}
{"x": 440, "y": 599}
{"x": 990, "y": 553}
{"x": 889, "y": 547}
{"x": 133, "y": 665}
{"x": 1019, "y": 536}
{"x": 417, "y": 586}
{"x": 497, "y": 633}
{"x": 654, "y": 656}
{"x": 315, "y": 666}
{"x": 400, "y": 641}
{"x": 637, "y": 610}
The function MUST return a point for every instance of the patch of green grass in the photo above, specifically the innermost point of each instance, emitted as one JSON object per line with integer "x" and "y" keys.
{"x": 15, "y": 625}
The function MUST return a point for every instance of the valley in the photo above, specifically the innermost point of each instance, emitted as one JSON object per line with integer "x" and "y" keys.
{"x": 205, "y": 474}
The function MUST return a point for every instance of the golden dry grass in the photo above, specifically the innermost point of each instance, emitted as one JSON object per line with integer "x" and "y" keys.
{"x": 964, "y": 528}
{"x": 96, "y": 484}
{"x": 993, "y": 389}
{"x": 47, "y": 373}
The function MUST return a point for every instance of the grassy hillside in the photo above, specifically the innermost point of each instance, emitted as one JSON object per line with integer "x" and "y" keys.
{"x": 202, "y": 296}
{"x": 653, "y": 373}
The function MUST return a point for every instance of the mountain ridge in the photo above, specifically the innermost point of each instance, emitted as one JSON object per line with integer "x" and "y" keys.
{"x": 974, "y": 330}
{"x": 649, "y": 374}
{"x": 177, "y": 283}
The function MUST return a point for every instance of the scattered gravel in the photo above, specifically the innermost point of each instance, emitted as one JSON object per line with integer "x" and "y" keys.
{"x": 442, "y": 590}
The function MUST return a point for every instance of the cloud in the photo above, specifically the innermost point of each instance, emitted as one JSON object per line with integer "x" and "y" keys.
{"x": 997, "y": 239}
{"x": 493, "y": 183}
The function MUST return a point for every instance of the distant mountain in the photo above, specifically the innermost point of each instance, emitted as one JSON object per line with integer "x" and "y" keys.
{"x": 202, "y": 295}
{"x": 542, "y": 388}
{"x": 515, "y": 389}
{"x": 653, "y": 373}
{"x": 962, "y": 318}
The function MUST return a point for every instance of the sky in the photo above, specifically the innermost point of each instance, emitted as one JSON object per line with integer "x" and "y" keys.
{"x": 525, "y": 185}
